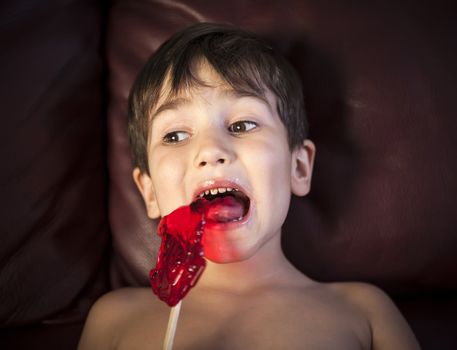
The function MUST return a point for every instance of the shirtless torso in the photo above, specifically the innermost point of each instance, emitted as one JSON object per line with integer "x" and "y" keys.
{"x": 316, "y": 316}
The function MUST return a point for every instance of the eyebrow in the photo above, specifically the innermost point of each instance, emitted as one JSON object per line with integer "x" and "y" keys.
{"x": 240, "y": 94}
{"x": 175, "y": 103}
{"x": 171, "y": 104}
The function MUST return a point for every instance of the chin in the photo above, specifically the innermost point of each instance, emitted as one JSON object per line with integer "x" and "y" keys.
{"x": 226, "y": 255}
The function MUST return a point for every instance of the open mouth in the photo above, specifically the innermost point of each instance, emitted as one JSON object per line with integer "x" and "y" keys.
{"x": 225, "y": 204}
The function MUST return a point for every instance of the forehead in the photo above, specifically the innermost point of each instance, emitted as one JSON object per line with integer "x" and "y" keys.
{"x": 205, "y": 78}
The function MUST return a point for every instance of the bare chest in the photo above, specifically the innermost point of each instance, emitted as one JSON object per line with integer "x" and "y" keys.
{"x": 268, "y": 331}
{"x": 272, "y": 325}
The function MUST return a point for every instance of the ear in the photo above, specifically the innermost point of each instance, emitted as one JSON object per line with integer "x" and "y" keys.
{"x": 302, "y": 167}
{"x": 144, "y": 184}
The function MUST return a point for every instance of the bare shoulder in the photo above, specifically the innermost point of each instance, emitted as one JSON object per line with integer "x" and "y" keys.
{"x": 389, "y": 328}
{"x": 360, "y": 294}
{"x": 114, "y": 313}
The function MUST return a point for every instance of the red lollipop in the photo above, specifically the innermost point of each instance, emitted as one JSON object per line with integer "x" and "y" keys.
{"x": 180, "y": 261}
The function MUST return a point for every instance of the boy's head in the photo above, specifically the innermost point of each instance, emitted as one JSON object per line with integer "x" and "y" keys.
{"x": 212, "y": 115}
{"x": 246, "y": 63}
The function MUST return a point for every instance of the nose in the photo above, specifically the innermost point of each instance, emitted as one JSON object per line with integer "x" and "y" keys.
{"x": 213, "y": 151}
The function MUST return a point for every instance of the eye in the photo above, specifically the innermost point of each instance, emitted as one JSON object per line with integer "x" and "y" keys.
{"x": 175, "y": 137}
{"x": 242, "y": 126}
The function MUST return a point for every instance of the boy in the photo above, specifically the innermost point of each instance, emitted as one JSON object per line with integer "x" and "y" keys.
{"x": 216, "y": 110}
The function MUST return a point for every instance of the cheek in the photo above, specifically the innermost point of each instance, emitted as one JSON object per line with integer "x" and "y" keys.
{"x": 167, "y": 173}
{"x": 269, "y": 169}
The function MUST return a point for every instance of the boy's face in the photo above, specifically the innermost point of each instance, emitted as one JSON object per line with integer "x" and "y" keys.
{"x": 209, "y": 138}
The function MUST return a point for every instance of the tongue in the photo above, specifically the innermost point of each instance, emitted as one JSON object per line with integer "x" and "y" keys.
{"x": 224, "y": 209}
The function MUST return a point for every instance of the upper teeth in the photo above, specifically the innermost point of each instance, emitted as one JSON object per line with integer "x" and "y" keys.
{"x": 215, "y": 191}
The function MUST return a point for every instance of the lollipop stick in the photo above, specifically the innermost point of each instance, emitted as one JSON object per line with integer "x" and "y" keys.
{"x": 171, "y": 328}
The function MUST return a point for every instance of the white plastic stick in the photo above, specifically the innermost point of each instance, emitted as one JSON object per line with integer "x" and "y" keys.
{"x": 171, "y": 328}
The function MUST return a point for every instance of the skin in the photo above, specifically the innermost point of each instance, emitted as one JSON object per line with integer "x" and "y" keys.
{"x": 249, "y": 296}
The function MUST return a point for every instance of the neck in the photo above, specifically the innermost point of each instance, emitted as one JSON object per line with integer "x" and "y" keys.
{"x": 268, "y": 266}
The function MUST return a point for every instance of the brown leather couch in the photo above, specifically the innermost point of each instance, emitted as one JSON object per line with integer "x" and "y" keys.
{"x": 380, "y": 85}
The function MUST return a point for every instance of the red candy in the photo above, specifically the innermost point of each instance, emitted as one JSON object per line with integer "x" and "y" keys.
{"x": 180, "y": 261}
